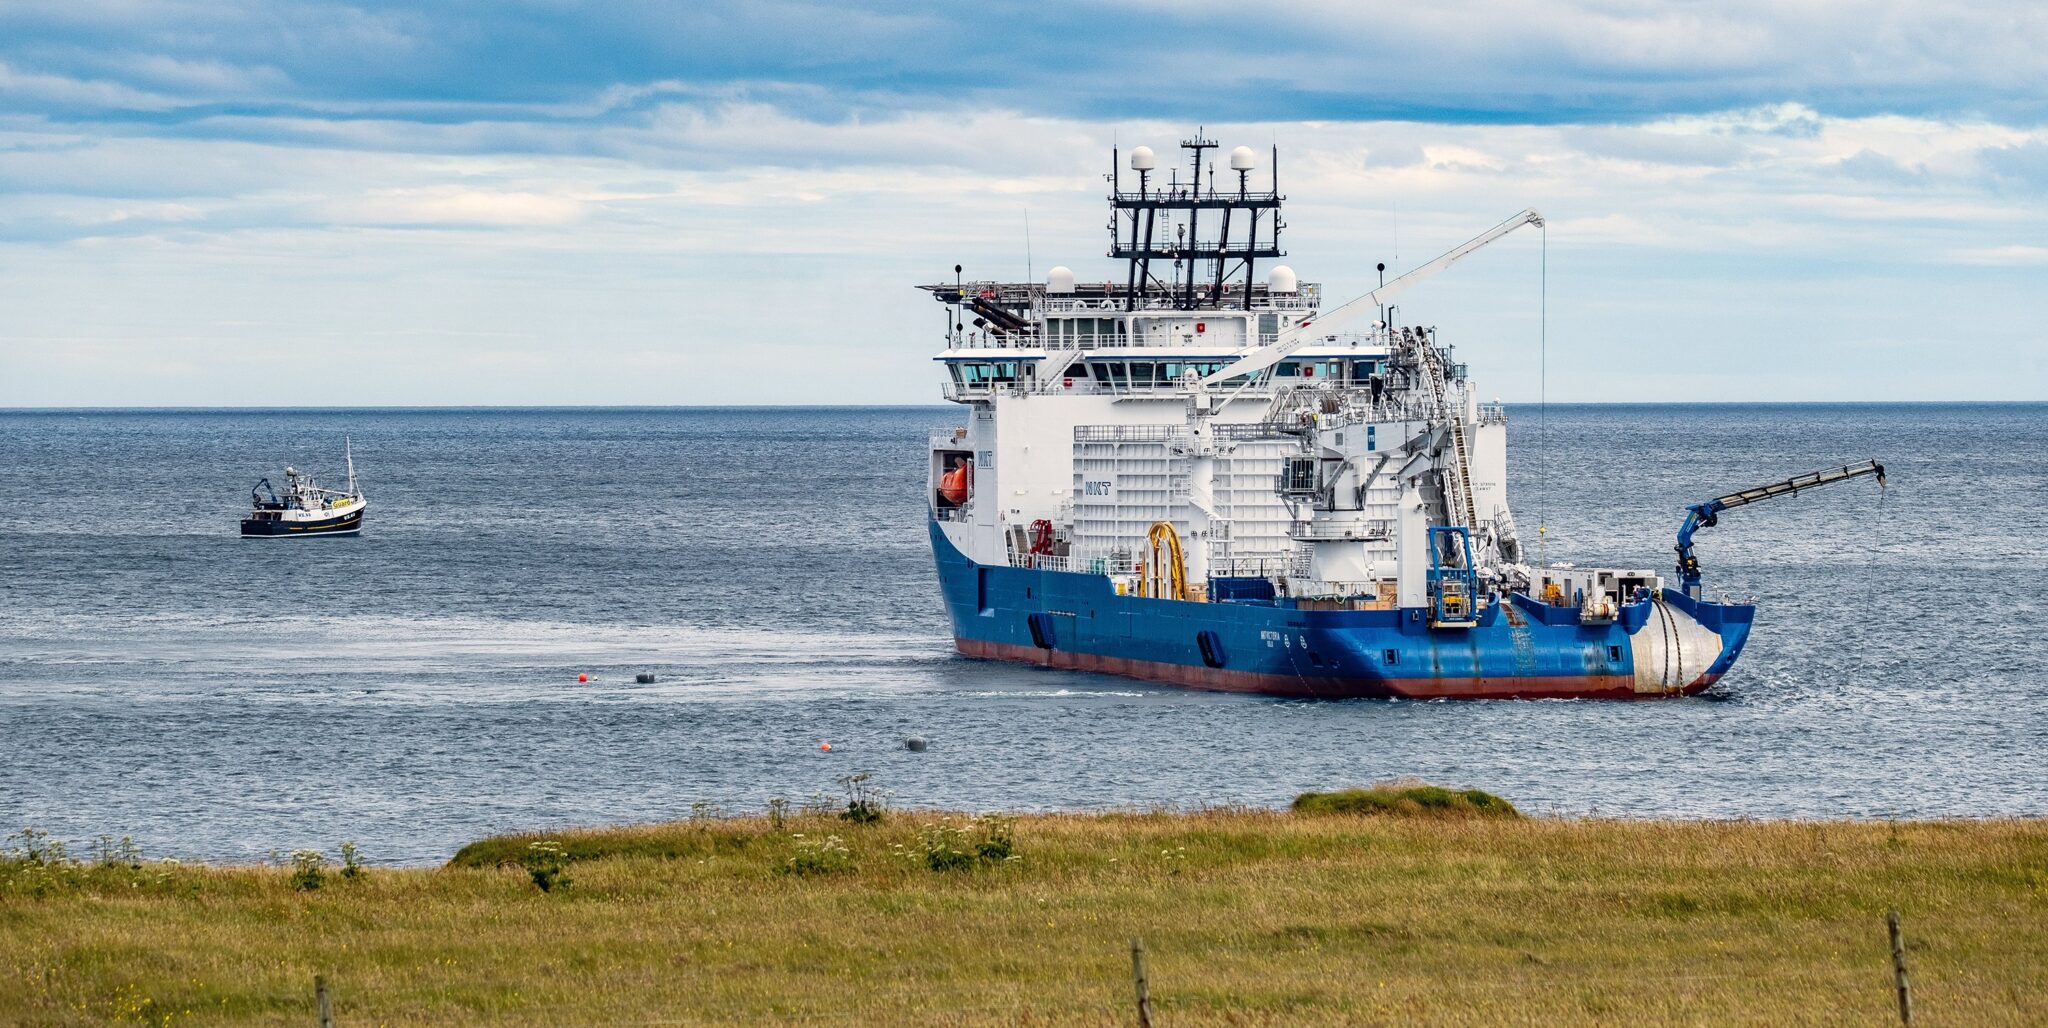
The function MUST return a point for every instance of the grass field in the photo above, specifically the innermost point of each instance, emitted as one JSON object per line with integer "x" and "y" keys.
{"x": 1249, "y": 917}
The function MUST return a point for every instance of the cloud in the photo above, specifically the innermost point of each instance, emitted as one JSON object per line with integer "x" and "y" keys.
{"x": 2021, "y": 163}
{"x": 28, "y": 90}
{"x": 2014, "y": 254}
{"x": 648, "y": 200}
{"x": 1457, "y": 60}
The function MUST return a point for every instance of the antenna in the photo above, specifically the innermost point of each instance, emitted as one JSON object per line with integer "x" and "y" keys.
{"x": 1029, "y": 274}
{"x": 349, "y": 454}
{"x": 1164, "y": 227}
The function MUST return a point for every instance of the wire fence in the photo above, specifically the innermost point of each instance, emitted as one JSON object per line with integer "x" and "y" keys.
{"x": 328, "y": 1003}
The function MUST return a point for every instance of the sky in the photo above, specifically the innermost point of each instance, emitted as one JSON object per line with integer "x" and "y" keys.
{"x": 270, "y": 202}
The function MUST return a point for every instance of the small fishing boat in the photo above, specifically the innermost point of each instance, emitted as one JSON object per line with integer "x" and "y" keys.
{"x": 304, "y": 508}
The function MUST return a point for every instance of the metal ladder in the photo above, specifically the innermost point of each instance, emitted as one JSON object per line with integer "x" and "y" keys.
{"x": 1458, "y": 483}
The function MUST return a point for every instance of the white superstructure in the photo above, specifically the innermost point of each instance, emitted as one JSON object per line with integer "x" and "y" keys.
{"x": 1211, "y": 391}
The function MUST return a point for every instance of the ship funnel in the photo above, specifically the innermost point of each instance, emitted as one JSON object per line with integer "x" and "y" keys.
{"x": 1243, "y": 159}
{"x": 1059, "y": 280}
{"x": 1142, "y": 159}
{"x": 1282, "y": 280}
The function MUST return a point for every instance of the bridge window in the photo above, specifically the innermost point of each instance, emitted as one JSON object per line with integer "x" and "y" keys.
{"x": 1087, "y": 331}
{"x": 978, "y": 373}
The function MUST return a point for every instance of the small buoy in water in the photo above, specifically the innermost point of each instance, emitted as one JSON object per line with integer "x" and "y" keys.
{"x": 825, "y": 746}
{"x": 914, "y": 744}
{"x": 644, "y": 677}
{"x": 583, "y": 678}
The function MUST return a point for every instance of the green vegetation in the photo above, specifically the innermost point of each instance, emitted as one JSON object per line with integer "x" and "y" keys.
{"x": 1406, "y": 800}
{"x": 1249, "y": 917}
{"x": 865, "y": 803}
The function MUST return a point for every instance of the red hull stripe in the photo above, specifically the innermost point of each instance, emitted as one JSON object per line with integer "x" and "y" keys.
{"x": 1545, "y": 687}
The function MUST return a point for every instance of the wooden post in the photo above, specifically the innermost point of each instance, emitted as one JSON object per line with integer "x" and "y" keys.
{"x": 1891, "y": 921}
{"x": 1144, "y": 987}
{"x": 320, "y": 996}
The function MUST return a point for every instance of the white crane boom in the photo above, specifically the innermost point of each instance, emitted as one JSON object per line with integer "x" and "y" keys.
{"x": 1297, "y": 336}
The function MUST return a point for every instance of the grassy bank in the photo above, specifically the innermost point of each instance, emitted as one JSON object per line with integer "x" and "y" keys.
{"x": 1249, "y": 917}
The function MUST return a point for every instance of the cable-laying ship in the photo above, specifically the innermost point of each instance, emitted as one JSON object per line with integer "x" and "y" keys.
{"x": 305, "y": 509}
{"x": 1198, "y": 476}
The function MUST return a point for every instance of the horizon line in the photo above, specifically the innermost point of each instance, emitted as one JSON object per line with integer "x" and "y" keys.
{"x": 936, "y": 406}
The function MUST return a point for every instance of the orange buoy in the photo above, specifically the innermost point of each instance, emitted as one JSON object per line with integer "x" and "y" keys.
{"x": 825, "y": 746}
{"x": 583, "y": 678}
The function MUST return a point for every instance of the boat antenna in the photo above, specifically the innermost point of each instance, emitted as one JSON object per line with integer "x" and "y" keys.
{"x": 1029, "y": 274}
{"x": 348, "y": 451}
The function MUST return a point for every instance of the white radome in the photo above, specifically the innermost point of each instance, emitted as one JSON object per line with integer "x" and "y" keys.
{"x": 1142, "y": 159}
{"x": 1243, "y": 159}
{"x": 1059, "y": 280}
{"x": 1282, "y": 279}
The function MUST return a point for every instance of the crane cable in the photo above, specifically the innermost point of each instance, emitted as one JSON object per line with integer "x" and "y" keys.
{"x": 1543, "y": 397}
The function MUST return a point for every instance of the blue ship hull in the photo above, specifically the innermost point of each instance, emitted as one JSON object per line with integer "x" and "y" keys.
{"x": 1519, "y": 649}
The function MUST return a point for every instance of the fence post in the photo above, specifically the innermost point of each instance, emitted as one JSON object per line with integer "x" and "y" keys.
{"x": 1891, "y": 920}
{"x": 1138, "y": 979}
{"x": 320, "y": 997}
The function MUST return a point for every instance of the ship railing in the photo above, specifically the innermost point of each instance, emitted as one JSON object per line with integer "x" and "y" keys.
{"x": 1308, "y": 297}
{"x": 1252, "y": 567}
{"x": 959, "y": 391}
{"x": 1261, "y": 387}
{"x": 1075, "y": 385}
{"x": 1388, "y": 409}
{"x": 1270, "y": 429}
{"x": 1335, "y": 589}
{"x": 1493, "y": 413}
{"x": 1040, "y": 561}
{"x": 1378, "y": 530}
{"x": 951, "y": 513}
{"x": 1231, "y": 431}
{"x": 1087, "y": 564}
{"x": 1090, "y": 341}
{"x": 948, "y": 438}
{"x": 981, "y": 340}
{"x": 1128, "y": 433}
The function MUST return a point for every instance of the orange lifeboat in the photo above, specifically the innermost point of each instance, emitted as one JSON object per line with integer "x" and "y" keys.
{"x": 955, "y": 484}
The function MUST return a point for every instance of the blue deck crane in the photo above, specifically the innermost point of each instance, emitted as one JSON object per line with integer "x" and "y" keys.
{"x": 1706, "y": 515}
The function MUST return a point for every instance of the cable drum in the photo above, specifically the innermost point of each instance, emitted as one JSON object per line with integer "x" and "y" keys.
{"x": 1672, "y": 650}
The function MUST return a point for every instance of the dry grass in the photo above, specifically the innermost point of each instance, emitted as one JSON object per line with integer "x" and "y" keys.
{"x": 1249, "y": 917}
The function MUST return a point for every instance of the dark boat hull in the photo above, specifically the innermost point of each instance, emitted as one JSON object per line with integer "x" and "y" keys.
{"x": 346, "y": 524}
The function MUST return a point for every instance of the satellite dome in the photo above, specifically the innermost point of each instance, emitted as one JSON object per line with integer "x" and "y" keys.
{"x": 1243, "y": 159}
{"x": 1142, "y": 159}
{"x": 1281, "y": 279}
{"x": 1059, "y": 280}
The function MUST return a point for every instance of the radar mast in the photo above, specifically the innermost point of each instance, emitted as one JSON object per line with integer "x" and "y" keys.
{"x": 1165, "y": 224}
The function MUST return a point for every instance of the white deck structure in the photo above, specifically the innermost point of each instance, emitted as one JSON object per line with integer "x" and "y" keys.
{"x": 1313, "y": 448}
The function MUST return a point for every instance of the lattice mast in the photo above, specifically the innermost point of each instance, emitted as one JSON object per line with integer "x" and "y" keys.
{"x": 1140, "y": 221}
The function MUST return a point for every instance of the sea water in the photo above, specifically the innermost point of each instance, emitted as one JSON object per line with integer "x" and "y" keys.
{"x": 416, "y": 687}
